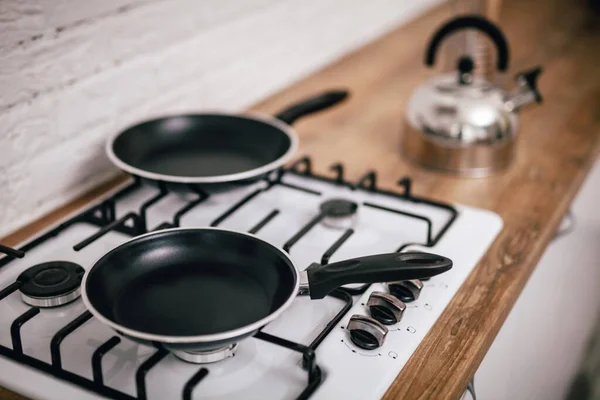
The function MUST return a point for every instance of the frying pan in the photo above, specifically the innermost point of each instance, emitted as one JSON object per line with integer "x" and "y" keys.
{"x": 213, "y": 148}
{"x": 202, "y": 289}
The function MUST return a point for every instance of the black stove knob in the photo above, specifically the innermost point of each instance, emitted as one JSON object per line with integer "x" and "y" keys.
{"x": 406, "y": 291}
{"x": 366, "y": 332}
{"x": 385, "y": 308}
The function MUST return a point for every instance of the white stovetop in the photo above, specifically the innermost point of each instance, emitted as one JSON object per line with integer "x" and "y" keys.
{"x": 259, "y": 369}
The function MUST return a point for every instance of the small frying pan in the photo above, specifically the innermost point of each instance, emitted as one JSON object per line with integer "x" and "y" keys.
{"x": 200, "y": 290}
{"x": 213, "y": 148}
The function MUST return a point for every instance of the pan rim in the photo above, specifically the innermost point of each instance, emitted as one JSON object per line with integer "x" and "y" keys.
{"x": 226, "y": 178}
{"x": 214, "y": 337}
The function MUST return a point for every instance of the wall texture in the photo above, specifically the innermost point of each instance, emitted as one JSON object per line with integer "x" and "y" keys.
{"x": 73, "y": 72}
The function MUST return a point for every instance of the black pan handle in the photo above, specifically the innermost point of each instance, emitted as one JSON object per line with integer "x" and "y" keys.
{"x": 473, "y": 22}
{"x": 11, "y": 252}
{"x": 312, "y": 105}
{"x": 322, "y": 279}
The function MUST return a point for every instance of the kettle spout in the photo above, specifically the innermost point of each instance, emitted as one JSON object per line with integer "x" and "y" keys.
{"x": 527, "y": 91}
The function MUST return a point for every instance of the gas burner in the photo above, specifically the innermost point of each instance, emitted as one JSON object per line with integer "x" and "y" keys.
{"x": 339, "y": 213}
{"x": 207, "y": 357}
{"x": 51, "y": 284}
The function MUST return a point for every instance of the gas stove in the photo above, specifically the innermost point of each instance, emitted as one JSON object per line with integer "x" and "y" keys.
{"x": 352, "y": 344}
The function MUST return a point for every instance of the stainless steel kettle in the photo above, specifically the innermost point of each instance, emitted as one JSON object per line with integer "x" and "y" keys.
{"x": 461, "y": 123}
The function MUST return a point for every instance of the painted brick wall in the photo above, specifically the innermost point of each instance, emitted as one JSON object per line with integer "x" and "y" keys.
{"x": 72, "y": 72}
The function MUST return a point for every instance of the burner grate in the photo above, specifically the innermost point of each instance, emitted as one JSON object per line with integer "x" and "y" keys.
{"x": 103, "y": 216}
{"x": 368, "y": 182}
{"x": 62, "y": 334}
{"x": 193, "y": 382}
{"x": 97, "y": 358}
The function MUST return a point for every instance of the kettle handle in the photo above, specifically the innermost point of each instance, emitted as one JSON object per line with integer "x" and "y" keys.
{"x": 474, "y": 22}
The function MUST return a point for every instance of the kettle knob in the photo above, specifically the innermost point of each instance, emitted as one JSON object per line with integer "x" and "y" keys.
{"x": 465, "y": 67}
{"x": 472, "y": 22}
{"x": 528, "y": 80}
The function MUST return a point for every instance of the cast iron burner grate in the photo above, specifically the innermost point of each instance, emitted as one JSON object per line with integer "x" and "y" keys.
{"x": 103, "y": 216}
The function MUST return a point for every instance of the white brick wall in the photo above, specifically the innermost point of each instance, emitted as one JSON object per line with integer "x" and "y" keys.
{"x": 72, "y": 72}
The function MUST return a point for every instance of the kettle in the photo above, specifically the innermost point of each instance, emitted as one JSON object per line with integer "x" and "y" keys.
{"x": 459, "y": 122}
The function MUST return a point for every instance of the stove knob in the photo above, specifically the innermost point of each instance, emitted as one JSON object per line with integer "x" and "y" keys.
{"x": 406, "y": 291}
{"x": 366, "y": 332}
{"x": 385, "y": 308}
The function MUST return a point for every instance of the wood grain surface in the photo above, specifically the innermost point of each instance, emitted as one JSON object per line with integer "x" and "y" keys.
{"x": 559, "y": 141}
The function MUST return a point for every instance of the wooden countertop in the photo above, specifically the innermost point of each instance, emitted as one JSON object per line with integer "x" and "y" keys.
{"x": 558, "y": 144}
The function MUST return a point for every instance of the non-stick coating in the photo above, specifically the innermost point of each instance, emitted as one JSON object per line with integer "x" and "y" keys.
{"x": 202, "y": 145}
{"x": 190, "y": 282}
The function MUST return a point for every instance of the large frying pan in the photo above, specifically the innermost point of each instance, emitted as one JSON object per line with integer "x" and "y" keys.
{"x": 199, "y": 290}
{"x": 213, "y": 148}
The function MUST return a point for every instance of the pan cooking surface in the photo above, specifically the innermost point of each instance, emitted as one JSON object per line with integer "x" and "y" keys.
{"x": 203, "y": 145}
{"x": 201, "y": 162}
{"x": 190, "y": 282}
{"x": 184, "y": 300}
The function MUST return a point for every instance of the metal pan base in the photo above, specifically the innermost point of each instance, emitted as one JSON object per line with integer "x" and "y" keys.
{"x": 207, "y": 357}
